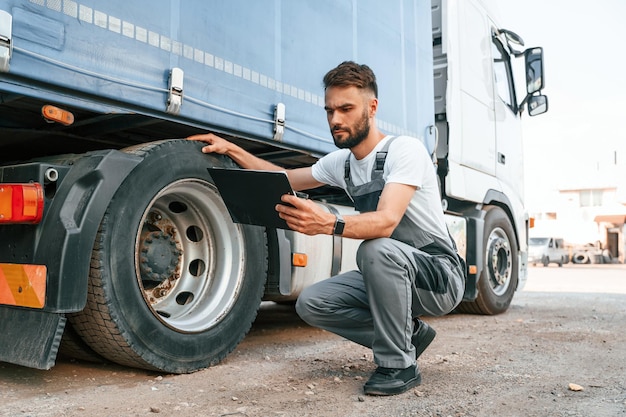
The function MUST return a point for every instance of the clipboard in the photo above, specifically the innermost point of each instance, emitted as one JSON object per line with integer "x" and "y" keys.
{"x": 251, "y": 195}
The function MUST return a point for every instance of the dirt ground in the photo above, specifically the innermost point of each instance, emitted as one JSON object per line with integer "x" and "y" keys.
{"x": 567, "y": 327}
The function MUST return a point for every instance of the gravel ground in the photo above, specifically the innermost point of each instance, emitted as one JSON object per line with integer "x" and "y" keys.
{"x": 560, "y": 350}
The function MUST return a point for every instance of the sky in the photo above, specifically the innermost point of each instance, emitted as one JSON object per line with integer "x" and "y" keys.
{"x": 585, "y": 81}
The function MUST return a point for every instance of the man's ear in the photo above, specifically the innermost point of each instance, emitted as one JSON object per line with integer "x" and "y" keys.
{"x": 373, "y": 107}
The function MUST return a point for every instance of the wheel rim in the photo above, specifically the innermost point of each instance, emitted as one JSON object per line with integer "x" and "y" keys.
{"x": 499, "y": 261}
{"x": 190, "y": 257}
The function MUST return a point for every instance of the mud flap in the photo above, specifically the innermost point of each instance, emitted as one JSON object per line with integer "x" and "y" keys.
{"x": 279, "y": 273}
{"x": 30, "y": 337}
{"x": 474, "y": 256}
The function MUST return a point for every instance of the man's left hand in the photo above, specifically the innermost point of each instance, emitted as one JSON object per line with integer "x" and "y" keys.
{"x": 305, "y": 216}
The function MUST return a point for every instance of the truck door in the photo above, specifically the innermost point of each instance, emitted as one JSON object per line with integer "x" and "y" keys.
{"x": 509, "y": 160}
{"x": 469, "y": 101}
{"x": 478, "y": 144}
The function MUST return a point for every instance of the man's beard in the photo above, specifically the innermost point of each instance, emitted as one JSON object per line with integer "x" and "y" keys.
{"x": 355, "y": 135}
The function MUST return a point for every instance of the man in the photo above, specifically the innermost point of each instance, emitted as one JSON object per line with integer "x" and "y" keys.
{"x": 408, "y": 265}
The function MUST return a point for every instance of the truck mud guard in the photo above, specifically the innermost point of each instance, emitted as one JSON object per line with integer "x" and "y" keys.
{"x": 63, "y": 241}
{"x": 475, "y": 230}
{"x": 280, "y": 252}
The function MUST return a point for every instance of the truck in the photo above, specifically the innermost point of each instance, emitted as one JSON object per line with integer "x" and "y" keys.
{"x": 114, "y": 241}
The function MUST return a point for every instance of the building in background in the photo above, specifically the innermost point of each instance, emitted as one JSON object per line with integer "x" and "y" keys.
{"x": 589, "y": 210}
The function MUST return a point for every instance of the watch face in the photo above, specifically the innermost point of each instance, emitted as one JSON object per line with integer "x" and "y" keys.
{"x": 339, "y": 225}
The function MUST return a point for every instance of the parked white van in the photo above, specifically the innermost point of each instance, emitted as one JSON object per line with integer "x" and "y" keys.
{"x": 546, "y": 250}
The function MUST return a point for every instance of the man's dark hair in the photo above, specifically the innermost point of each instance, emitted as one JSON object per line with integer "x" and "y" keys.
{"x": 351, "y": 74}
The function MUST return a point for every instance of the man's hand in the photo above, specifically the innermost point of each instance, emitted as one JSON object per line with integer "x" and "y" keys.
{"x": 309, "y": 218}
{"x": 215, "y": 144}
{"x": 243, "y": 158}
{"x": 305, "y": 216}
{"x": 300, "y": 178}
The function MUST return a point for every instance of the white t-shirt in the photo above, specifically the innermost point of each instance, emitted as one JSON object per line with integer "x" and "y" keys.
{"x": 408, "y": 163}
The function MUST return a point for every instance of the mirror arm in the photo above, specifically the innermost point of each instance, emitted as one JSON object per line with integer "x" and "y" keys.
{"x": 520, "y": 107}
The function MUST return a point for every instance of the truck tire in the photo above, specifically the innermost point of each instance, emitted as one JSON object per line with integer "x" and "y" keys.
{"x": 174, "y": 284}
{"x": 498, "y": 280}
{"x": 73, "y": 347}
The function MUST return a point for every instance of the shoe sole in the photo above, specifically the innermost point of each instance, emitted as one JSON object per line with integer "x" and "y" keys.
{"x": 424, "y": 341}
{"x": 395, "y": 390}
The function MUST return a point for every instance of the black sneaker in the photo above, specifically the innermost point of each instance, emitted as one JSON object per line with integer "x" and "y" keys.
{"x": 423, "y": 335}
{"x": 391, "y": 381}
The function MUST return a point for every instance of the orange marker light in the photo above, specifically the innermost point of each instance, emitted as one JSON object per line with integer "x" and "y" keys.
{"x": 55, "y": 114}
{"x": 299, "y": 259}
{"x": 21, "y": 203}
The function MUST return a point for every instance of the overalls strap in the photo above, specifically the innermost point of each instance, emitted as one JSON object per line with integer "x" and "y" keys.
{"x": 377, "y": 169}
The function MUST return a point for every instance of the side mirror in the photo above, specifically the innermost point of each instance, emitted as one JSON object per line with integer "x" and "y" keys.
{"x": 537, "y": 105}
{"x": 534, "y": 69}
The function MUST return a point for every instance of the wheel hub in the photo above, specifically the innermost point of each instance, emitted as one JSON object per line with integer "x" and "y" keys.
{"x": 500, "y": 261}
{"x": 189, "y": 257}
{"x": 159, "y": 256}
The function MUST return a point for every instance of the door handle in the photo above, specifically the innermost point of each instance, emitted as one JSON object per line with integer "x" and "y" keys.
{"x": 501, "y": 158}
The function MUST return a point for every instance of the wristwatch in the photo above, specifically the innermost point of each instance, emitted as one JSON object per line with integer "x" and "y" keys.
{"x": 339, "y": 225}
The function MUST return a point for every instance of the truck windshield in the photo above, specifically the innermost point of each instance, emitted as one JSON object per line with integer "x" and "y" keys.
{"x": 538, "y": 241}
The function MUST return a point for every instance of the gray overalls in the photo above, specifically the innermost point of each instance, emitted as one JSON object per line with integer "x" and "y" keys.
{"x": 412, "y": 273}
